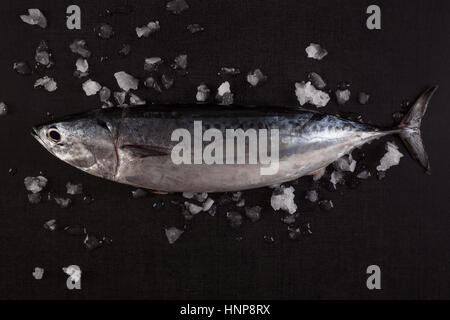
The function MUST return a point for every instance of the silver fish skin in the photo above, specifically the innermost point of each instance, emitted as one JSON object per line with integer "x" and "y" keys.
{"x": 133, "y": 145}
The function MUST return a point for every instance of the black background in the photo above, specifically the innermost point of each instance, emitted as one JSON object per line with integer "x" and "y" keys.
{"x": 400, "y": 223}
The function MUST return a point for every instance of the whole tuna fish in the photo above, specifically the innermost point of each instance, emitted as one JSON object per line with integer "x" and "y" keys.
{"x": 136, "y": 145}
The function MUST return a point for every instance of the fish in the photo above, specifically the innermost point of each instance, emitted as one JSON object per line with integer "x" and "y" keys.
{"x": 135, "y": 145}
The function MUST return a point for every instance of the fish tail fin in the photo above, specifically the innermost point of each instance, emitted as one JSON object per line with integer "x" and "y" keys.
{"x": 410, "y": 128}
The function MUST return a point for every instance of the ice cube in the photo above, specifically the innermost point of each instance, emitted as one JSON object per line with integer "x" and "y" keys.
{"x": 255, "y": 77}
{"x": 104, "y": 94}
{"x": 180, "y": 62}
{"x": 229, "y": 71}
{"x": 316, "y": 80}
{"x": 79, "y": 47}
{"x": 315, "y": 51}
{"x": 207, "y": 204}
{"x": 253, "y": 213}
{"x": 234, "y": 219}
{"x": 173, "y": 234}
{"x": 283, "y": 199}
{"x": 91, "y": 242}
{"x": 34, "y": 198}
{"x": 236, "y": 196}
{"x": 151, "y": 64}
{"x": 363, "y": 175}
{"x": 38, "y": 273}
{"x": 35, "y": 184}
{"x": 177, "y": 6}
{"x": 120, "y": 97}
{"x": 188, "y": 195}
{"x": 82, "y": 65}
{"x": 193, "y": 208}
{"x": 22, "y": 67}
{"x": 203, "y": 93}
{"x": 47, "y": 83}
{"x": 201, "y": 196}
{"x": 126, "y": 81}
{"x": 312, "y": 195}
{"x": 145, "y": 31}
{"x": 35, "y": 17}
{"x": 3, "y": 109}
{"x": 342, "y": 96}
{"x": 307, "y": 93}
{"x": 212, "y": 210}
{"x": 135, "y": 100}
{"x": 167, "y": 81}
{"x": 337, "y": 177}
{"x": 363, "y": 98}
{"x": 63, "y": 202}
{"x": 74, "y": 272}
{"x": 224, "y": 95}
{"x": 391, "y": 158}
{"x": 73, "y": 188}
{"x": 240, "y": 203}
{"x": 151, "y": 83}
{"x": 91, "y": 87}
{"x": 105, "y": 31}
{"x": 194, "y": 28}
{"x": 50, "y": 225}
{"x": 345, "y": 163}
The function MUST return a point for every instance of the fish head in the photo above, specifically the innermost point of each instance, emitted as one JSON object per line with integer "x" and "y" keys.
{"x": 85, "y": 141}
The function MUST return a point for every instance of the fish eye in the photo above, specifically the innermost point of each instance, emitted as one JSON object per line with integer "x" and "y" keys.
{"x": 54, "y": 135}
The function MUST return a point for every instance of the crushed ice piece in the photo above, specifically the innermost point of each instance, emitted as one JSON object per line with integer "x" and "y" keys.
{"x": 363, "y": 98}
{"x": 79, "y": 47}
{"x": 212, "y": 211}
{"x": 342, "y": 96}
{"x": 203, "y": 93}
{"x": 35, "y": 184}
{"x": 91, "y": 242}
{"x": 319, "y": 174}
{"x": 255, "y": 77}
{"x": 240, "y": 203}
{"x": 82, "y": 65}
{"x": 315, "y": 51}
{"x": 75, "y": 230}
{"x": 188, "y": 195}
{"x": 91, "y": 87}
{"x": 317, "y": 81}
{"x": 151, "y": 64}
{"x": 22, "y": 67}
{"x": 177, "y": 6}
{"x": 125, "y": 50}
{"x": 224, "y": 95}
{"x": 74, "y": 272}
{"x": 135, "y": 100}
{"x": 326, "y": 205}
{"x": 43, "y": 55}
{"x": 167, "y": 81}
{"x": 50, "y": 225}
{"x": 391, "y": 158}
{"x": 253, "y": 213}
{"x": 104, "y": 94}
{"x": 126, "y": 81}
{"x": 312, "y": 196}
{"x": 105, "y": 31}
{"x": 47, "y": 83}
{"x": 180, "y": 62}
{"x": 236, "y": 196}
{"x": 138, "y": 193}
{"x": 363, "y": 175}
{"x": 283, "y": 199}
{"x": 269, "y": 239}
{"x": 289, "y": 219}
{"x": 201, "y": 196}
{"x": 207, "y": 204}
{"x": 173, "y": 234}
{"x": 234, "y": 219}
{"x": 345, "y": 163}
{"x": 120, "y": 97}
{"x": 35, "y": 17}
{"x": 74, "y": 189}
{"x": 3, "y": 109}
{"x": 337, "y": 177}
{"x": 34, "y": 198}
{"x": 229, "y": 71}
{"x": 193, "y": 208}
{"x": 194, "y": 28}
{"x": 307, "y": 93}
{"x": 63, "y": 202}
{"x": 145, "y": 31}
{"x": 38, "y": 273}
{"x": 151, "y": 83}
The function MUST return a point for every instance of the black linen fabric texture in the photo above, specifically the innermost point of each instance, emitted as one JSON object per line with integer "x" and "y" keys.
{"x": 400, "y": 223}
